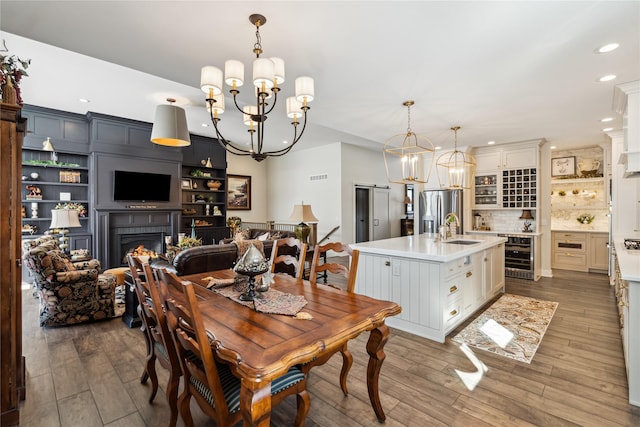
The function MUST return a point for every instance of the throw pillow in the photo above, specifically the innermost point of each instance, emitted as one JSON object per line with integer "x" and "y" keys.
{"x": 264, "y": 237}
{"x": 241, "y": 235}
{"x": 275, "y": 235}
{"x": 60, "y": 262}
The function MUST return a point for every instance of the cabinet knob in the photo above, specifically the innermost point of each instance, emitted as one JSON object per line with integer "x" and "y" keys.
{"x": 387, "y": 263}
{"x": 453, "y": 312}
{"x": 469, "y": 274}
{"x": 453, "y": 289}
{"x": 568, "y": 254}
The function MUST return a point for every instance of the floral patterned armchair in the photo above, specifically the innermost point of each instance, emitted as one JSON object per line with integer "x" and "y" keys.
{"x": 70, "y": 292}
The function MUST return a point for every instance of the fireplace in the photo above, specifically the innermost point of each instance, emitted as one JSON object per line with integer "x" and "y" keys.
{"x": 150, "y": 244}
{"x": 119, "y": 232}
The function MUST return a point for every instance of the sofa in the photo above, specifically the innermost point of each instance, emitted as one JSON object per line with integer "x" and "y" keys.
{"x": 221, "y": 256}
{"x": 69, "y": 292}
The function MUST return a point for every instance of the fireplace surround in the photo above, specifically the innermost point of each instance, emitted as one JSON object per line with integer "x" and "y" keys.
{"x": 120, "y": 231}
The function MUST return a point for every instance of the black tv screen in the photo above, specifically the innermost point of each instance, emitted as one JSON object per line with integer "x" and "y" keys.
{"x": 141, "y": 186}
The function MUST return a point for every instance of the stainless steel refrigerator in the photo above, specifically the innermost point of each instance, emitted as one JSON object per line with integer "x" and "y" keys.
{"x": 434, "y": 205}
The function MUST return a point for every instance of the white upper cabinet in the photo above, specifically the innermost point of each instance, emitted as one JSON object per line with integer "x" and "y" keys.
{"x": 497, "y": 158}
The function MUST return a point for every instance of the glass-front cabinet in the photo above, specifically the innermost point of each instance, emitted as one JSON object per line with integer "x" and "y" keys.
{"x": 486, "y": 190}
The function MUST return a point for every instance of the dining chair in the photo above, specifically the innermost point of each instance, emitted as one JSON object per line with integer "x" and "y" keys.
{"x": 349, "y": 271}
{"x": 210, "y": 382}
{"x": 160, "y": 345}
{"x": 288, "y": 256}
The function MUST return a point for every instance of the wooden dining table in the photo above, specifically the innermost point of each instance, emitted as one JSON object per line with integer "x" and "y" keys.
{"x": 260, "y": 347}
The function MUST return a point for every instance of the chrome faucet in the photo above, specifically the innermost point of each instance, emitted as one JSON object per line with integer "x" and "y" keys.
{"x": 449, "y": 219}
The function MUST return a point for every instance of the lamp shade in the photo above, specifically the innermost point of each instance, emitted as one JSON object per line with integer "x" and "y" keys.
{"x": 170, "y": 127}
{"x": 526, "y": 214}
{"x": 47, "y": 145}
{"x": 64, "y": 218}
{"x": 302, "y": 213}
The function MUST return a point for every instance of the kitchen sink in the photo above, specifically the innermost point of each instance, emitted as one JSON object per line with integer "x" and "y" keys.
{"x": 461, "y": 242}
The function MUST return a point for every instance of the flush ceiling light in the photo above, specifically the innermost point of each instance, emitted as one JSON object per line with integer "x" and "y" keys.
{"x": 606, "y": 119}
{"x": 607, "y": 129}
{"x": 268, "y": 75}
{"x": 456, "y": 166}
{"x": 408, "y": 157}
{"x": 607, "y": 48}
{"x": 170, "y": 126}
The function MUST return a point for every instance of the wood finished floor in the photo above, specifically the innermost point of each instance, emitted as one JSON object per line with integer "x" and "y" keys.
{"x": 88, "y": 375}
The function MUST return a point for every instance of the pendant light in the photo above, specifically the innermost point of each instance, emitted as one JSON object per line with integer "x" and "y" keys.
{"x": 456, "y": 166}
{"x": 170, "y": 126}
{"x": 408, "y": 157}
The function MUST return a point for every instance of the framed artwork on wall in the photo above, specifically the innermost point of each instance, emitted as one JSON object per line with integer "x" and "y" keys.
{"x": 238, "y": 192}
{"x": 563, "y": 166}
{"x": 185, "y": 184}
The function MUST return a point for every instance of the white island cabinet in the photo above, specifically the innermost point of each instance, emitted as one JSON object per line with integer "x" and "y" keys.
{"x": 439, "y": 284}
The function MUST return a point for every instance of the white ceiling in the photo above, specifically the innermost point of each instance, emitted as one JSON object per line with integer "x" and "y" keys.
{"x": 504, "y": 71}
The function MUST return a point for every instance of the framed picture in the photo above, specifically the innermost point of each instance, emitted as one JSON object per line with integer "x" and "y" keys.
{"x": 238, "y": 192}
{"x": 185, "y": 184}
{"x": 563, "y": 166}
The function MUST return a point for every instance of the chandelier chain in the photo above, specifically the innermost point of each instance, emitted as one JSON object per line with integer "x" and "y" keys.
{"x": 257, "y": 47}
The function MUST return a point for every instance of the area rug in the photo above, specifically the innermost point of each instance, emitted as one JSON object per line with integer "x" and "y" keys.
{"x": 512, "y": 327}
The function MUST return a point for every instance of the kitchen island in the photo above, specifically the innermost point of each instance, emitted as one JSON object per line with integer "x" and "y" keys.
{"x": 439, "y": 284}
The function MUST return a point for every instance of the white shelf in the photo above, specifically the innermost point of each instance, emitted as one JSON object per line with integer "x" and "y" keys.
{"x": 577, "y": 180}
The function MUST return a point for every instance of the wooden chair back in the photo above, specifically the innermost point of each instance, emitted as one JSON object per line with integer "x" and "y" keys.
{"x": 159, "y": 339}
{"x": 142, "y": 291}
{"x": 193, "y": 344}
{"x": 349, "y": 271}
{"x": 283, "y": 258}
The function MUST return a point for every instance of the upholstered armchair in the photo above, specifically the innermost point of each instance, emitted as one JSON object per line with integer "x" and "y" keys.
{"x": 70, "y": 292}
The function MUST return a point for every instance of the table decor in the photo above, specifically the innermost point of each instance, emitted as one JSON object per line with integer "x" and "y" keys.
{"x": 251, "y": 264}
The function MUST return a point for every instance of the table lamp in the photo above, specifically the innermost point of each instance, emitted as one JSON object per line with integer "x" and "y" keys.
{"x": 302, "y": 213}
{"x": 62, "y": 219}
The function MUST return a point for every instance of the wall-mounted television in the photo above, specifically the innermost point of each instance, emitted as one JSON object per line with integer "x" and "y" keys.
{"x": 141, "y": 186}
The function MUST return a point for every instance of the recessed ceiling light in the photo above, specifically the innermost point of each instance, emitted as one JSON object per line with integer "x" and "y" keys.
{"x": 85, "y": 100}
{"x": 491, "y": 142}
{"x": 607, "y": 78}
{"x": 607, "y": 48}
{"x": 607, "y": 129}
{"x": 285, "y": 142}
{"x": 437, "y": 148}
{"x": 204, "y": 125}
{"x": 553, "y": 147}
{"x": 606, "y": 119}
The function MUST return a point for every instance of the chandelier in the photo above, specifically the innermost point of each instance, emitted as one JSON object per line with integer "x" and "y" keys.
{"x": 408, "y": 157}
{"x": 268, "y": 75}
{"x": 456, "y": 166}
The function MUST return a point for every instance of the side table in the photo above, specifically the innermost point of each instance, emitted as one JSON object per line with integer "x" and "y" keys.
{"x": 130, "y": 316}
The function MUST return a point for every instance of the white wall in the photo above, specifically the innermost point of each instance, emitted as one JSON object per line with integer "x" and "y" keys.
{"x": 245, "y": 165}
{"x": 364, "y": 166}
{"x": 290, "y": 183}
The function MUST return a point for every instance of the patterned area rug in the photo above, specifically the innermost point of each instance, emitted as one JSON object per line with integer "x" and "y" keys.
{"x": 512, "y": 327}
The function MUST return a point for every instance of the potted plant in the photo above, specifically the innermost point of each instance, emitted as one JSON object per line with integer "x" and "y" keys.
{"x": 12, "y": 69}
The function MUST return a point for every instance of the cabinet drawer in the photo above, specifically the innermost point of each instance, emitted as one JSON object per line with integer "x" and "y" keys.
{"x": 452, "y": 313}
{"x": 453, "y": 289}
{"x": 454, "y": 267}
{"x": 569, "y": 260}
{"x": 577, "y": 237}
{"x": 570, "y": 246}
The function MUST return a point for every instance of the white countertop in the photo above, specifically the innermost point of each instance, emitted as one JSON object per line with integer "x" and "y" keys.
{"x": 425, "y": 246}
{"x": 577, "y": 230}
{"x": 629, "y": 261}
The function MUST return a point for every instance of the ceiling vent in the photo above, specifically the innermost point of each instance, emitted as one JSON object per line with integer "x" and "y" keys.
{"x": 320, "y": 177}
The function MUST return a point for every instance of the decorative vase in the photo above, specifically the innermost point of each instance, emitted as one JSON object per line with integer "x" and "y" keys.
{"x": 9, "y": 95}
